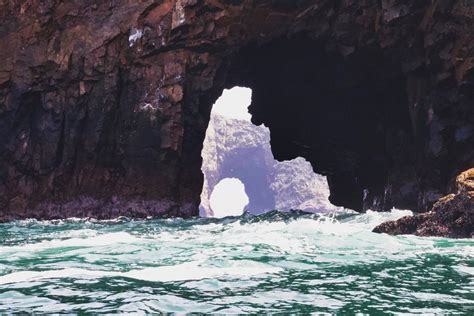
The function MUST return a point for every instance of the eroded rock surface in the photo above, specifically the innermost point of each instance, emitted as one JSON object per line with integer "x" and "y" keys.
{"x": 236, "y": 148}
{"x": 104, "y": 104}
{"x": 451, "y": 216}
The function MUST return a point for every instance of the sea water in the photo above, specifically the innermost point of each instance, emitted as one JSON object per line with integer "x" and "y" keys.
{"x": 277, "y": 262}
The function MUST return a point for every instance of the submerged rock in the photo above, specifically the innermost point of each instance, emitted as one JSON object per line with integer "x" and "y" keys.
{"x": 452, "y": 216}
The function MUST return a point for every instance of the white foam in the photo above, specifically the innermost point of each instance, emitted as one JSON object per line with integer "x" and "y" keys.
{"x": 372, "y": 218}
{"x": 465, "y": 270}
{"x": 92, "y": 241}
{"x": 192, "y": 271}
{"x": 28, "y": 276}
{"x": 181, "y": 272}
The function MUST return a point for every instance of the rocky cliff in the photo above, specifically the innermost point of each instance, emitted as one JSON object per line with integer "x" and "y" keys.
{"x": 238, "y": 149}
{"x": 104, "y": 104}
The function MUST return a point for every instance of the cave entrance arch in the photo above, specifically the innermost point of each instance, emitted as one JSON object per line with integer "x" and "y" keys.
{"x": 236, "y": 148}
{"x": 345, "y": 111}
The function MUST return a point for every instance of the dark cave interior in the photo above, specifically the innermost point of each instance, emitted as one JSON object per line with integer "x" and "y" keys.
{"x": 337, "y": 112}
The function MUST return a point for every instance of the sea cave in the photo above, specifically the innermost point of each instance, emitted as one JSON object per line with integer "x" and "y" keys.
{"x": 358, "y": 125}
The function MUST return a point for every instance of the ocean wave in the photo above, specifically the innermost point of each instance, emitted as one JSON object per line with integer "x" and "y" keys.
{"x": 180, "y": 272}
{"x": 90, "y": 240}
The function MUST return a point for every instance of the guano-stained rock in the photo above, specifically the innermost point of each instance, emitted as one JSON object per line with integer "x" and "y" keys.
{"x": 235, "y": 148}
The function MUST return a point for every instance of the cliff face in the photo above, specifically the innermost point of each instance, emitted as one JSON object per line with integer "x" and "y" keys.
{"x": 104, "y": 105}
{"x": 238, "y": 149}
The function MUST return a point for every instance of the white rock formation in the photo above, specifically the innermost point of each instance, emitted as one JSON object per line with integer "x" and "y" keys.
{"x": 237, "y": 148}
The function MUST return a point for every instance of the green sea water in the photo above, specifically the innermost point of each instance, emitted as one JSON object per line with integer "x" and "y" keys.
{"x": 277, "y": 262}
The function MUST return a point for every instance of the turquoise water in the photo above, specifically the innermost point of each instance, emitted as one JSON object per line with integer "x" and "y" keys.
{"x": 278, "y": 262}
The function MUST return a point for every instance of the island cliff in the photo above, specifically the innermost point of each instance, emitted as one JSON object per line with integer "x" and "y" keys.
{"x": 104, "y": 104}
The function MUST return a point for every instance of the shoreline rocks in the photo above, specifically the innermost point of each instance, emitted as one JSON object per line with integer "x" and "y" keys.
{"x": 451, "y": 216}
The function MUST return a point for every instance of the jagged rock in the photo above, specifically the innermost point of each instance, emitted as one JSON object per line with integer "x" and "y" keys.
{"x": 104, "y": 104}
{"x": 237, "y": 148}
{"x": 451, "y": 216}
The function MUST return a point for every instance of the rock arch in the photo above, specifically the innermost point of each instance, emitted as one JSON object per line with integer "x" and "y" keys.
{"x": 253, "y": 173}
{"x": 236, "y": 149}
{"x": 377, "y": 95}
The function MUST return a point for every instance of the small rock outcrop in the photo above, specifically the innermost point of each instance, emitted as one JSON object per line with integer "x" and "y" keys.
{"x": 452, "y": 216}
{"x": 236, "y": 148}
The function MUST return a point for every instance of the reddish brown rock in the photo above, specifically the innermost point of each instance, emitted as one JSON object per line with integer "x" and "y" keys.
{"x": 104, "y": 104}
{"x": 452, "y": 216}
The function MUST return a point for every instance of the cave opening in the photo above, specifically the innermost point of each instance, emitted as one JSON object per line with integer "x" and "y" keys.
{"x": 346, "y": 111}
{"x": 238, "y": 165}
{"x": 228, "y": 198}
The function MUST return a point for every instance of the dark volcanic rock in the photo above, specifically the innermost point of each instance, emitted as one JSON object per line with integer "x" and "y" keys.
{"x": 104, "y": 104}
{"x": 452, "y": 216}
